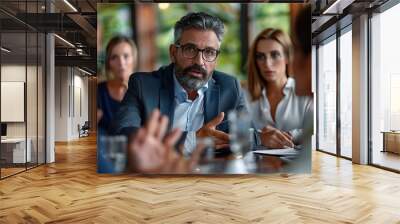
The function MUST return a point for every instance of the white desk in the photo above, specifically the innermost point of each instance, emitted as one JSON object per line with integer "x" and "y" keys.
{"x": 17, "y": 145}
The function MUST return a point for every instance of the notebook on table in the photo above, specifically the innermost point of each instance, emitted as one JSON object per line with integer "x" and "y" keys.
{"x": 261, "y": 150}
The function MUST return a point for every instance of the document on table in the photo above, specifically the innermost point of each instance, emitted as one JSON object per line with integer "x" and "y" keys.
{"x": 275, "y": 152}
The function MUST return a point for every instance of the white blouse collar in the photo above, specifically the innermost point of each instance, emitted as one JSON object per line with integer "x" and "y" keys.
{"x": 289, "y": 86}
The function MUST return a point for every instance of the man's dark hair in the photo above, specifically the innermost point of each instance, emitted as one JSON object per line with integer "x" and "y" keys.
{"x": 200, "y": 21}
{"x": 303, "y": 30}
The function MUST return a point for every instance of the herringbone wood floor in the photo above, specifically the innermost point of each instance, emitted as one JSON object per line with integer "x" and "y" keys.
{"x": 70, "y": 191}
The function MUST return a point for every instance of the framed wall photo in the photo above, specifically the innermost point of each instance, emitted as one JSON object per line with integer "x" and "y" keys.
{"x": 193, "y": 63}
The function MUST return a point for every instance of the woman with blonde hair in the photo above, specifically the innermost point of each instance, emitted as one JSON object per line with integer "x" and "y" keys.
{"x": 120, "y": 63}
{"x": 278, "y": 113}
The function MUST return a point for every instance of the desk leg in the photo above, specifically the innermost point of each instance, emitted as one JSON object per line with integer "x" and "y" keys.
{"x": 384, "y": 142}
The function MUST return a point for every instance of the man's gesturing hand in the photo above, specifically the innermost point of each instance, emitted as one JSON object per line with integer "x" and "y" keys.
{"x": 221, "y": 139}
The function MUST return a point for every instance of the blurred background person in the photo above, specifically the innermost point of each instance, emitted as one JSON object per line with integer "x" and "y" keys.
{"x": 120, "y": 63}
{"x": 302, "y": 64}
{"x": 303, "y": 77}
{"x": 302, "y": 56}
{"x": 278, "y": 113}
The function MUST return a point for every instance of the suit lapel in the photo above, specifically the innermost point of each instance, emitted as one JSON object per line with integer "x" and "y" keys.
{"x": 211, "y": 101}
{"x": 167, "y": 94}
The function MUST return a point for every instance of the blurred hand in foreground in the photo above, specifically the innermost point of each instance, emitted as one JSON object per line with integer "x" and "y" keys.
{"x": 152, "y": 149}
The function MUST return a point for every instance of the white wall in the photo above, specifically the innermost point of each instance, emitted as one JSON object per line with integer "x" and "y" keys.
{"x": 33, "y": 126}
{"x": 71, "y": 94}
{"x": 81, "y": 104}
{"x": 16, "y": 73}
{"x": 61, "y": 103}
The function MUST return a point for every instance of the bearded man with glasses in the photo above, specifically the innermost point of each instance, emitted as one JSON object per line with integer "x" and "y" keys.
{"x": 189, "y": 92}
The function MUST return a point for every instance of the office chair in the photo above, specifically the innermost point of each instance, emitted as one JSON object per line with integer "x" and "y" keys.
{"x": 84, "y": 130}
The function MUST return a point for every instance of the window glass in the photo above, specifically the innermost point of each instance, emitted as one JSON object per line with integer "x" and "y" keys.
{"x": 385, "y": 88}
{"x": 327, "y": 96}
{"x": 346, "y": 94}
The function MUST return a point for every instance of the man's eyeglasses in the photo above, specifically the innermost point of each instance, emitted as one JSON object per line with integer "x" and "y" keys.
{"x": 190, "y": 51}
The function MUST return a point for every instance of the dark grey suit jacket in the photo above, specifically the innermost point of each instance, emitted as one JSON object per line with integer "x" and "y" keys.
{"x": 150, "y": 90}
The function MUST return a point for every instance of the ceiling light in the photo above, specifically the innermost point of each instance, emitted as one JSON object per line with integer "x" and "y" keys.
{"x": 70, "y": 5}
{"x": 5, "y": 49}
{"x": 337, "y": 7}
{"x": 86, "y": 72}
{"x": 65, "y": 41}
{"x": 331, "y": 7}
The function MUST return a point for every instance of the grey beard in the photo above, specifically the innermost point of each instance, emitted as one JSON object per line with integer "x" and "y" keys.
{"x": 190, "y": 83}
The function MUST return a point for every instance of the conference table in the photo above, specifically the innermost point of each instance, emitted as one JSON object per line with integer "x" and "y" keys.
{"x": 249, "y": 163}
{"x": 112, "y": 159}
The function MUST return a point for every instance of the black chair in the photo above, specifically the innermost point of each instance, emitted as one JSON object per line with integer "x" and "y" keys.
{"x": 84, "y": 130}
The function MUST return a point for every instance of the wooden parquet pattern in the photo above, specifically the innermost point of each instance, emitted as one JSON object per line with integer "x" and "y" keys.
{"x": 70, "y": 191}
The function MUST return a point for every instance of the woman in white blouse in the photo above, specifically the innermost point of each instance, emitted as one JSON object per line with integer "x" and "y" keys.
{"x": 278, "y": 113}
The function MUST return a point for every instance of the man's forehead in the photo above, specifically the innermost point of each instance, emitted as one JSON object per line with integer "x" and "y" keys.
{"x": 200, "y": 38}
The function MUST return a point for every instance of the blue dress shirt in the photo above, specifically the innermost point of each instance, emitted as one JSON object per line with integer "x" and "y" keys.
{"x": 188, "y": 114}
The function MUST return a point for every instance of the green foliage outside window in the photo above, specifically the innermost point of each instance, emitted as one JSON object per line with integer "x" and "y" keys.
{"x": 270, "y": 15}
{"x": 262, "y": 15}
